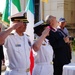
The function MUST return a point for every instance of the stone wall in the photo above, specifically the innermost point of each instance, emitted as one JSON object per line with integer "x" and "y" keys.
{"x": 55, "y": 8}
{"x": 69, "y": 10}
{"x": 69, "y": 14}
{"x": 71, "y": 28}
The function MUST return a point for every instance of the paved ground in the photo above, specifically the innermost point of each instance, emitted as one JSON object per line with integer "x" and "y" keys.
{"x": 73, "y": 60}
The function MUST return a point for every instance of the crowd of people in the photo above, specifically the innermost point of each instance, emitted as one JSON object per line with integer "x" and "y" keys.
{"x": 51, "y": 47}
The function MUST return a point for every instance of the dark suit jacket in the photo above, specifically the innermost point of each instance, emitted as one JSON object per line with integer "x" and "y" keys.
{"x": 1, "y": 53}
{"x": 61, "y": 49}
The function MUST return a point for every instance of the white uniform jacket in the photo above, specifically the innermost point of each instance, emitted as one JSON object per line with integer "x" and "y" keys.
{"x": 18, "y": 50}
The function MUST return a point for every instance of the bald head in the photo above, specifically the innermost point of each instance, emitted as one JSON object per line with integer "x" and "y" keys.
{"x": 48, "y": 18}
{"x": 51, "y": 20}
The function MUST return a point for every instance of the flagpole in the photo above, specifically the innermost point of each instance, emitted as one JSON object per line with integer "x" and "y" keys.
{"x": 40, "y": 18}
{"x": 41, "y": 10}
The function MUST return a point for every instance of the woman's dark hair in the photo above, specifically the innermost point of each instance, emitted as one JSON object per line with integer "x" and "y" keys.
{"x": 39, "y": 29}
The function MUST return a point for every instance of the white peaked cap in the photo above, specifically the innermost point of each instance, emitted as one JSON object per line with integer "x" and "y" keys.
{"x": 17, "y": 15}
{"x": 38, "y": 23}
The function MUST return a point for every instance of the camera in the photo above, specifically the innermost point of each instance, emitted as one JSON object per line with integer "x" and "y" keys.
{"x": 71, "y": 38}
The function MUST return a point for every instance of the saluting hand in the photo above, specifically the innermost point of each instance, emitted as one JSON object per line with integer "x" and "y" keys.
{"x": 46, "y": 31}
{"x": 16, "y": 25}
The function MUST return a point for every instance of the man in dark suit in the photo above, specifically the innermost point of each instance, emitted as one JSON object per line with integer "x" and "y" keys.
{"x": 60, "y": 44}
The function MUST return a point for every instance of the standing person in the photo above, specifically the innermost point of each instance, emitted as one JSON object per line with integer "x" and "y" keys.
{"x": 18, "y": 47}
{"x": 60, "y": 44}
{"x": 62, "y": 24}
{"x": 44, "y": 52}
{"x": 64, "y": 30}
{"x": 1, "y": 53}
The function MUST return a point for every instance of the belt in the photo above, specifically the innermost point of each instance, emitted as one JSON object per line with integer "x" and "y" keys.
{"x": 45, "y": 63}
{"x": 19, "y": 70}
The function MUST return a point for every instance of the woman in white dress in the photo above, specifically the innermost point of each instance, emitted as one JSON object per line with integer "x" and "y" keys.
{"x": 44, "y": 52}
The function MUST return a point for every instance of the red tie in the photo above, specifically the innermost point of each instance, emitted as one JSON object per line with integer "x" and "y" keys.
{"x": 31, "y": 61}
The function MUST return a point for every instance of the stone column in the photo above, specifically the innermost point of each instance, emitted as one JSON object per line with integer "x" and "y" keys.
{"x": 69, "y": 10}
{"x": 69, "y": 14}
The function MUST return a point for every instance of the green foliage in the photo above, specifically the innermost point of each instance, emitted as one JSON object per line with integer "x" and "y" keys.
{"x": 73, "y": 44}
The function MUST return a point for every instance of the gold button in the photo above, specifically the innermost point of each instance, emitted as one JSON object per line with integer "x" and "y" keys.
{"x": 28, "y": 69}
{"x": 51, "y": 62}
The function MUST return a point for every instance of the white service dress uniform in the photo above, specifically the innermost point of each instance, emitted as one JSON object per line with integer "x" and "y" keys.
{"x": 43, "y": 60}
{"x": 18, "y": 50}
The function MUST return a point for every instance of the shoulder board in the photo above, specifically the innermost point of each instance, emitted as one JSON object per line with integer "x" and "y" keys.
{"x": 11, "y": 33}
{"x": 29, "y": 42}
{"x": 27, "y": 35}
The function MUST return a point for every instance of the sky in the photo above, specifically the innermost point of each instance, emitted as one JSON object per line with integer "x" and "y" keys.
{"x": 2, "y": 5}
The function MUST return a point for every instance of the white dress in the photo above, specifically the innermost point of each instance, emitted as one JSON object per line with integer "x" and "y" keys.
{"x": 43, "y": 60}
{"x": 18, "y": 50}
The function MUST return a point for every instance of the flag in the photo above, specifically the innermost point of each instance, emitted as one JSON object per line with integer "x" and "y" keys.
{"x": 29, "y": 30}
{"x": 11, "y": 7}
{"x": 15, "y": 6}
{"x": 46, "y": 1}
{"x": 6, "y": 12}
{"x": 30, "y": 16}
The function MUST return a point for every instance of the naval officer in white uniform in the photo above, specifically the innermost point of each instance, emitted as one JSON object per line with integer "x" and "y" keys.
{"x": 18, "y": 47}
{"x": 44, "y": 51}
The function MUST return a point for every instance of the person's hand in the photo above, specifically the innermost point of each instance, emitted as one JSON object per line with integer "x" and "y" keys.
{"x": 16, "y": 25}
{"x": 46, "y": 31}
{"x": 66, "y": 39}
{"x": 3, "y": 62}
